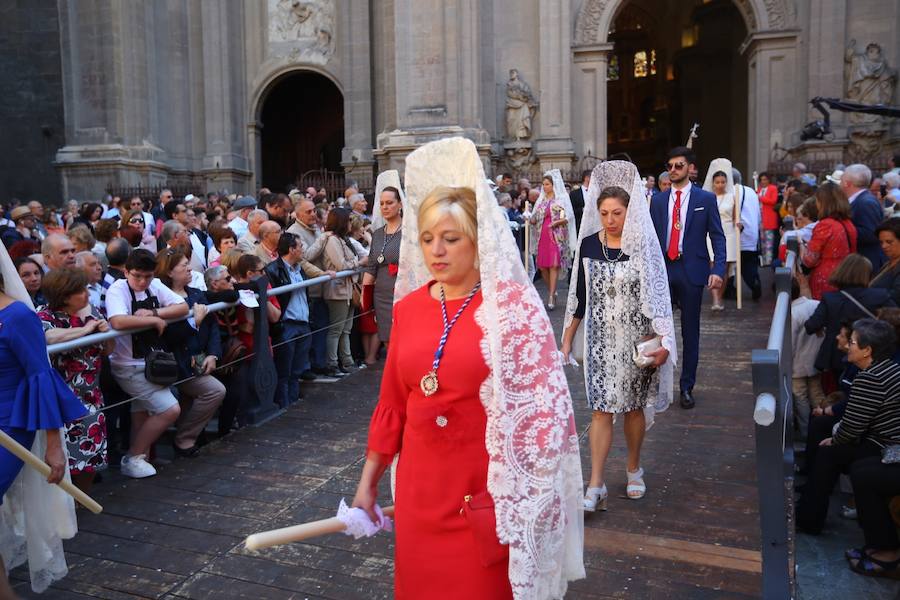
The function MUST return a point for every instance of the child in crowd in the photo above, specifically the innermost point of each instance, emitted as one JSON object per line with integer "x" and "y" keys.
{"x": 806, "y": 382}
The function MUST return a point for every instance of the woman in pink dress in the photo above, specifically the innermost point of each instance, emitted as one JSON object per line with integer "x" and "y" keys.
{"x": 553, "y": 227}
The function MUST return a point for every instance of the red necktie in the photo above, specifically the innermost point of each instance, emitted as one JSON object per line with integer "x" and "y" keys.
{"x": 674, "y": 235}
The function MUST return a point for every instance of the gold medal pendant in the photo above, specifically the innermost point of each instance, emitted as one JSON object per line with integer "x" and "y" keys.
{"x": 429, "y": 383}
{"x": 678, "y": 225}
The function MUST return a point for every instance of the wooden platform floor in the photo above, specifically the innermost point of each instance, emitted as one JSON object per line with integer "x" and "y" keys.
{"x": 179, "y": 535}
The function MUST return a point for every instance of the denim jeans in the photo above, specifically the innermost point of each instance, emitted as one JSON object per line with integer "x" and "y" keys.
{"x": 291, "y": 360}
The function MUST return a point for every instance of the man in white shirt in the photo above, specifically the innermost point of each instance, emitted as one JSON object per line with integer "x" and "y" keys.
{"x": 138, "y": 301}
{"x": 244, "y": 206}
{"x": 88, "y": 262}
{"x": 751, "y": 219}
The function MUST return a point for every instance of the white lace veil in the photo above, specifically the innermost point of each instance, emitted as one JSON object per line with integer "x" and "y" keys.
{"x": 34, "y": 534}
{"x": 390, "y": 178}
{"x": 641, "y": 244}
{"x": 534, "y": 474}
{"x": 724, "y": 165}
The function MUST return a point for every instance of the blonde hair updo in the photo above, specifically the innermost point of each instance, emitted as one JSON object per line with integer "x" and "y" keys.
{"x": 457, "y": 203}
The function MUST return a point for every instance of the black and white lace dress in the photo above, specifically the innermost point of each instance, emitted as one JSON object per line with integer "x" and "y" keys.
{"x": 609, "y": 303}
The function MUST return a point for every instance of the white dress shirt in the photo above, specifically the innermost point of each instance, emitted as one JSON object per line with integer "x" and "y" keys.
{"x": 685, "y": 195}
{"x": 750, "y": 219}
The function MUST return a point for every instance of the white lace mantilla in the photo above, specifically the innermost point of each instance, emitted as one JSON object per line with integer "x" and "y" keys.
{"x": 641, "y": 244}
{"x": 534, "y": 474}
{"x": 389, "y": 178}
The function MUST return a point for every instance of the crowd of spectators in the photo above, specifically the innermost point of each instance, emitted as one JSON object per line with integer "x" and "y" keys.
{"x": 846, "y": 362}
{"x": 142, "y": 266}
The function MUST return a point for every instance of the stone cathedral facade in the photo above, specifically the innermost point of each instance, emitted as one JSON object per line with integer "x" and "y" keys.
{"x": 236, "y": 94}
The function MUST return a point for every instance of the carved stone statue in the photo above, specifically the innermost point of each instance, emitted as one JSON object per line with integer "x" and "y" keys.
{"x": 302, "y": 27}
{"x": 868, "y": 79}
{"x": 521, "y": 107}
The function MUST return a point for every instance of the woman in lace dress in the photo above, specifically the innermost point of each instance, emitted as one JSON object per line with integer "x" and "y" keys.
{"x": 488, "y": 482}
{"x": 619, "y": 294}
{"x": 719, "y": 181}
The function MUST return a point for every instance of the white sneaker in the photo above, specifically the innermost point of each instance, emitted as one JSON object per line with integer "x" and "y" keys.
{"x": 137, "y": 467}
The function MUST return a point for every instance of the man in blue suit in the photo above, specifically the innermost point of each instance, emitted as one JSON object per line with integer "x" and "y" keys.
{"x": 865, "y": 211}
{"x": 683, "y": 217}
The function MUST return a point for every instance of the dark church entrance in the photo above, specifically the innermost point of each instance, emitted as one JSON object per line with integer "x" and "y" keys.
{"x": 674, "y": 64}
{"x": 302, "y": 129}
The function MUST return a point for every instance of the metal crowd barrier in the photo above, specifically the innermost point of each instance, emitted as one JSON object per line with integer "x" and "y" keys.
{"x": 259, "y": 385}
{"x": 773, "y": 414}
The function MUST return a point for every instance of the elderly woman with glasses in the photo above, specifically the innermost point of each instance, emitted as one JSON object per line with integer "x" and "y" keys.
{"x": 871, "y": 422}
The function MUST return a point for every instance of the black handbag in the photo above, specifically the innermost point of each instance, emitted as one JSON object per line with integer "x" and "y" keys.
{"x": 160, "y": 367}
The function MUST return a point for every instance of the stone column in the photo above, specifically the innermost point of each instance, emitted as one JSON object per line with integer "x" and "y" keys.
{"x": 438, "y": 59}
{"x": 590, "y": 102}
{"x": 356, "y": 157}
{"x": 555, "y": 148}
{"x": 225, "y": 161}
{"x": 109, "y": 100}
{"x": 772, "y": 58}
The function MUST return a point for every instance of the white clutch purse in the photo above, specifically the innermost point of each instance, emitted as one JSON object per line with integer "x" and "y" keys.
{"x": 578, "y": 344}
{"x": 645, "y": 347}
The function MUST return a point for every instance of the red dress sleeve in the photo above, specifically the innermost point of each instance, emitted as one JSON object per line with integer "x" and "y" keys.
{"x": 389, "y": 418}
{"x": 820, "y": 236}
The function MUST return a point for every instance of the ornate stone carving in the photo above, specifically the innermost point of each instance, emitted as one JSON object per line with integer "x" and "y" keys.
{"x": 521, "y": 107}
{"x": 302, "y": 29}
{"x": 587, "y": 26}
{"x": 779, "y": 14}
{"x": 865, "y": 145}
{"x": 519, "y": 156}
{"x": 868, "y": 79}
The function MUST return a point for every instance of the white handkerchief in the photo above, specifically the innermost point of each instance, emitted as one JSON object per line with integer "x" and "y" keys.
{"x": 358, "y": 522}
{"x": 701, "y": 208}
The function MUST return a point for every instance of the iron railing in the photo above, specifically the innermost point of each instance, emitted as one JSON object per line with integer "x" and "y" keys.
{"x": 773, "y": 414}
{"x": 259, "y": 386}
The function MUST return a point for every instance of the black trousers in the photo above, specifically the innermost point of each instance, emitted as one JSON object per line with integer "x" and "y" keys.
{"x": 750, "y": 268}
{"x": 819, "y": 429}
{"x": 874, "y": 484}
{"x": 831, "y": 461}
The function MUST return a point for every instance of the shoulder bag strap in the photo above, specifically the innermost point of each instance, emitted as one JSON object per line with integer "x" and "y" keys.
{"x": 859, "y": 304}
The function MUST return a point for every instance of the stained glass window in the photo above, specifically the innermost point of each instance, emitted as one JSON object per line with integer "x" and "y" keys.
{"x": 640, "y": 63}
{"x": 612, "y": 69}
{"x": 653, "y": 62}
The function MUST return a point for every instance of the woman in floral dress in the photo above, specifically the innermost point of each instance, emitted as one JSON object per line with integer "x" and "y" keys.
{"x": 553, "y": 231}
{"x": 68, "y": 316}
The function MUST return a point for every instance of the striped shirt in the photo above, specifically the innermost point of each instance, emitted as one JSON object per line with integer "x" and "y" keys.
{"x": 873, "y": 410}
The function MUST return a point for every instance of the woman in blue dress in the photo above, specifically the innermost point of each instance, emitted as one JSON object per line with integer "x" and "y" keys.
{"x": 33, "y": 397}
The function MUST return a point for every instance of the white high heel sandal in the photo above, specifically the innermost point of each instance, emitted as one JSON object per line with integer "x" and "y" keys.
{"x": 595, "y": 498}
{"x": 636, "y": 487}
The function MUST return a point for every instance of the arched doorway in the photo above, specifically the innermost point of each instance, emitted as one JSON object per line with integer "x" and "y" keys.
{"x": 673, "y": 64}
{"x": 302, "y": 128}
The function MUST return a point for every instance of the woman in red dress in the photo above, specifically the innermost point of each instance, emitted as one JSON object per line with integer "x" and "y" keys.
{"x": 768, "y": 198}
{"x": 833, "y": 239}
{"x": 488, "y": 480}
